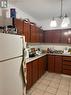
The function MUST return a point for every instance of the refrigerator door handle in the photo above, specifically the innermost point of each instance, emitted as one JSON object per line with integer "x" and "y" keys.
{"x": 23, "y": 68}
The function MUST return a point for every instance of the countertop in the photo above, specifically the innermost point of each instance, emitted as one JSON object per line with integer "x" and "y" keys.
{"x": 63, "y": 54}
{"x": 34, "y": 58}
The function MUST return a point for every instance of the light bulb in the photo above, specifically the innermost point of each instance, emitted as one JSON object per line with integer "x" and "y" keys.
{"x": 65, "y": 22}
{"x": 53, "y": 23}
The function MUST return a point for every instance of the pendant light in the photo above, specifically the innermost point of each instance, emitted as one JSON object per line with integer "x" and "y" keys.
{"x": 53, "y": 23}
{"x": 65, "y": 21}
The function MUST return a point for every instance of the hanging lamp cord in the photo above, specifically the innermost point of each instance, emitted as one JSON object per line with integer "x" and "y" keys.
{"x": 61, "y": 4}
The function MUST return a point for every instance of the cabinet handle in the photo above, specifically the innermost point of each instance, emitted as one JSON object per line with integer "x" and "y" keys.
{"x": 33, "y": 24}
{"x": 26, "y": 20}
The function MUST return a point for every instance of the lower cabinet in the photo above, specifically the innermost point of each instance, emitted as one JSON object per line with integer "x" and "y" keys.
{"x": 35, "y": 69}
{"x": 41, "y": 68}
{"x": 29, "y": 75}
{"x": 58, "y": 64}
{"x": 55, "y": 63}
{"x": 67, "y": 65}
{"x": 50, "y": 63}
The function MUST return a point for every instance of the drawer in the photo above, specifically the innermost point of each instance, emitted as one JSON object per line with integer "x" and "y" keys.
{"x": 66, "y": 63}
{"x": 67, "y": 58}
{"x": 68, "y": 72}
{"x": 66, "y": 67}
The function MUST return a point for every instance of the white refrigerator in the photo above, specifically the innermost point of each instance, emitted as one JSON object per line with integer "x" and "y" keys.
{"x": 12, "y": 76}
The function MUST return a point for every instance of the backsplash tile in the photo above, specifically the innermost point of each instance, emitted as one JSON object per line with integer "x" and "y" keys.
{"x": 52, "y": 46}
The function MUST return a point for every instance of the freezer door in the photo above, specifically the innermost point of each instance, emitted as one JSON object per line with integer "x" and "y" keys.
{"x": 10, "y": 45}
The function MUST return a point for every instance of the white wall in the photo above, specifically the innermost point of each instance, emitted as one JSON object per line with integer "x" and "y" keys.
{"x": 47, "y": 45}
{"x": 46, "y": 24}
{"x": 19, "y": 14}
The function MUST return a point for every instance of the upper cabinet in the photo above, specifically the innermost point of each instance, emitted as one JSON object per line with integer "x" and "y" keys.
{"x": 26, "y": 30}
{"x": 36, "y": 34}
{"x": 58, "y": 36}
{"x": 32, "y": 33}
{"x": 41, "y": 36}
{"x": 66, "y": 36}
{"x": 23, "y": 28}
{"x": 19, "y": 25}
{"x": 52, "y": 36}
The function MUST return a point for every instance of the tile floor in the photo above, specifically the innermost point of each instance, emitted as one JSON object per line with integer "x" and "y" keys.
{"x": 52, "y": 84}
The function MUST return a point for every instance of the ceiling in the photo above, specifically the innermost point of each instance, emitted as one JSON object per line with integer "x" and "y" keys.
{"x": 43, "y": 9}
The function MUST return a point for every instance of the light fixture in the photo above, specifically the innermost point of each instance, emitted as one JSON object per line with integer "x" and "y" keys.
{"x": 65, "y": 21}
{"x": 53, "y": 23}
{"x": 3, "y": 3}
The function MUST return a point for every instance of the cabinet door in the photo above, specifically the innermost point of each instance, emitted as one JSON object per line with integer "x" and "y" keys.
{"x": 67, "y": 65}
{"x": 69, "y": 36}
{"x": 52, "y": 36}
{"x": 29, "y": 75}
{"x": 48, "y": 36}
{"x": 19, "y": 26}
{"x": 41, "y": 37}
{"x": 40, "y": 67}
{"x": 45, "y": 63}
{"x": 33, "y": 33}
{"x": 50, "y": 63}
{"x": 27, "y": 31}
{"x": 58, "y": 64}
{"x": 56, "y": 36}
{"x": 37, "y": 35}
{"x": 35, "y": 70}
{"x": 64, "y": 37}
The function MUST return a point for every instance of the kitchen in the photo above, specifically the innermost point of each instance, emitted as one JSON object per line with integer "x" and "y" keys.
{"x": 54, "y": 44}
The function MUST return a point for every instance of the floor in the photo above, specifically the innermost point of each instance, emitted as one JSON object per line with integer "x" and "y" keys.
{"x": 52, "y": 84}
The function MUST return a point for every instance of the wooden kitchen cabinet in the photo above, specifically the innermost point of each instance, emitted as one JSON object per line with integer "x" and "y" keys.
{"x": 33, "y": 33}
{"x": 29, "y": 29}
{"x": 35, "y": 70}
{"x": 26, "y": 30}
{"x": 64, "y": 38}
{"x": 45, "y": 62}
{"x": 48, "y": 36}
{"x": 57, "y": 36}
{"x": 32, "y": 73}
{"x": 36, "y": 34}
{"x": 67, "y": 65}
{"x": 51, "y": 63}
{"x": 23, "y": 28}
{"x": 55, "y": 63}
{"x": 52, "y": 36}
{"x": 69, "y": 37}
{"x": 37, "y": 40}
{"x": 19, "y": 25}
{"x": 29, "y": 75}
{"x": 58, "y": 64}
{"x": 40, "y": 67}
{"x": 41, "y": 36}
